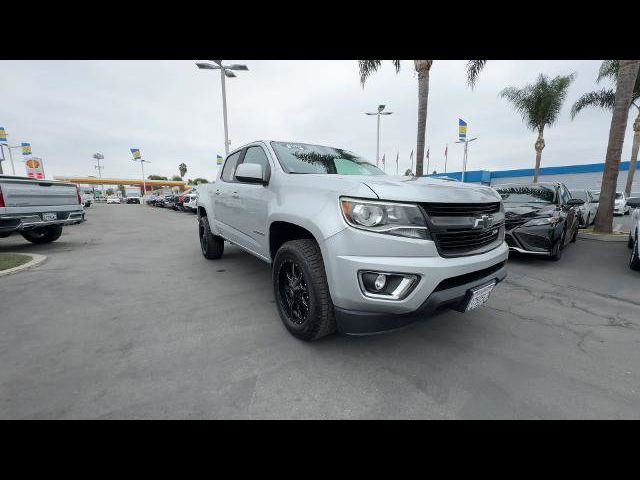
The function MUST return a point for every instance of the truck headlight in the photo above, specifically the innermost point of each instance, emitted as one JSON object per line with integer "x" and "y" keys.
{"x": 542, "y": 221}
{"x": 400, "y": 219}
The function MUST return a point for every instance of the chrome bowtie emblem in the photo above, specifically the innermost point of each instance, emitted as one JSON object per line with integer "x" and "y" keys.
{"x": 484, "y": 221}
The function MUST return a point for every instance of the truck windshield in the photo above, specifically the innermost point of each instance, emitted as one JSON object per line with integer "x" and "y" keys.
{"x": 304, "y": 158}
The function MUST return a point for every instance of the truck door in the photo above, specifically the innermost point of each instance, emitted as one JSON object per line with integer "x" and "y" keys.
{"x": 222, "y": 200}
{"x": 248, "y": 205}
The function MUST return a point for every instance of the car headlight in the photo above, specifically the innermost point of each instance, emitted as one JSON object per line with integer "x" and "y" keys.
{"x": 542, "y": 221}
{"x": 400, "y": 219}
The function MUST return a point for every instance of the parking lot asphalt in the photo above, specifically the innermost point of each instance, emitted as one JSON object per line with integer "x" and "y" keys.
{"x": 126, "y": 319}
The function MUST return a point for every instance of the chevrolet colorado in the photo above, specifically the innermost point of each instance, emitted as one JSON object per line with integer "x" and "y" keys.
{"x": 352, "y": 248}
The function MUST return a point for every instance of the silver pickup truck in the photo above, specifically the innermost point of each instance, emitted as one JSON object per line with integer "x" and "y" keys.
{"x": 351, "y": 248}
{"x": 38, "y": 209}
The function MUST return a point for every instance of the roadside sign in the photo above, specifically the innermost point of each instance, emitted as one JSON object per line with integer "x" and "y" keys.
{"x": 136, "y": 153}
{"x": 3, "y": 135}
{"x": 26, "y": 148}
{"x": 34, "y": 168}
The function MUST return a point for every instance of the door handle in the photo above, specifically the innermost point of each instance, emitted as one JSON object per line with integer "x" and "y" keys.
{"x": 235, "y": 195}
{"x": 217, "y": 192}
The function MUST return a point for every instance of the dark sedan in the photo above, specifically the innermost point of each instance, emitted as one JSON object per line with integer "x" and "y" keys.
{"x": 540, "y": 218}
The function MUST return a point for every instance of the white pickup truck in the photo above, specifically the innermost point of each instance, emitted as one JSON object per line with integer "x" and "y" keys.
{"x": 38, "y": 209}
{"x": 351, "y": 248}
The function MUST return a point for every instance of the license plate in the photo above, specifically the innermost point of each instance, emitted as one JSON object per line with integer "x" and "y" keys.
{"x": 47, "y": 217}
{"x": 479, "y": 296}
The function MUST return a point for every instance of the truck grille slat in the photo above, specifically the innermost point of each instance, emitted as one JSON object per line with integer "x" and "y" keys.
{"x": 460, "y": 210}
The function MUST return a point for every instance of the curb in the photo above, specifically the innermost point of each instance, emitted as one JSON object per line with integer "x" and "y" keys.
{"x": 603, "y": 237}
{"x": 36, "y": 260}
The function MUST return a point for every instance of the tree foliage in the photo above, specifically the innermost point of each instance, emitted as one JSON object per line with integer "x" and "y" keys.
{"x": 606, "y": 97}
{"x": 540, "y": 103}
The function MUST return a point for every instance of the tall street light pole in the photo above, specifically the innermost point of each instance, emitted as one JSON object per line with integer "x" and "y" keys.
{"x": 144, "y": 182}
{"x": 378, "y": 113}
{"x": 225, "y": 71}
{"x": 464, "y": 159}
{"x": 98, "y": 157}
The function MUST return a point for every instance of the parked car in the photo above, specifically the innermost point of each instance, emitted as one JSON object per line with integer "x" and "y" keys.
{"x": 351, "y": 248}
{"x": 190, "y": 203}
{"x": 170, "y": 201}
{"x": 87, "y": 200}
{"x": 113, "y": 199}
{"x": 38, "y": 209}
{"x": 540, "y": 218}
{"x": 620, "y": 206}
{"x": 587, "y": 210}
{"x": 132, "y": 200}
{"x": 151, "y": 200}
{"x": 634, "y": 233}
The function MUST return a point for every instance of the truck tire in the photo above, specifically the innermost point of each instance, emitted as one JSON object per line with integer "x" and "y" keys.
{"x": 212, "y": 245}
{"x": 301, "y": 290}
{"x": 43, "y": 235}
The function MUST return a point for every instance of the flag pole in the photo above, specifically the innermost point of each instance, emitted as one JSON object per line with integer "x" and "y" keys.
{"x": 446, "y": 151}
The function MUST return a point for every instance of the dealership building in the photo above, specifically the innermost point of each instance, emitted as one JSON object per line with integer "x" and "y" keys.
{"x": 588, "y": 176}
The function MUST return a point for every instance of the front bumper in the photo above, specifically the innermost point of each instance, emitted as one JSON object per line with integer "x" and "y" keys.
{"x": 382, "y": 253}
{"x": 23, "y": 222}
{"x": 451, "y": 293}
{"x": 537, "y": 240}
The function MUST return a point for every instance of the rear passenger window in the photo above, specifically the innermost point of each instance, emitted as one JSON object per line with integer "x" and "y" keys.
{"x": 256, "y": 155}
{"x": 229, "y": 168}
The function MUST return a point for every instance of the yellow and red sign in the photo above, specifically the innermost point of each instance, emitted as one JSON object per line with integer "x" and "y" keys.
{"x": 34, "y": 168}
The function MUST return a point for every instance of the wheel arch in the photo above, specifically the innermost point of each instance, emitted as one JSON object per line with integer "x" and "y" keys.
{"x": 282, "y": 231}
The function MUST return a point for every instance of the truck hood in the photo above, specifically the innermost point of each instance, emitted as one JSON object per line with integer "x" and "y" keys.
{"x": 424, "y": 189}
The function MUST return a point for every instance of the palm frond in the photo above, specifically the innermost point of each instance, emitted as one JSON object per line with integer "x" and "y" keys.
{"x": 474, "y": 67}
{"x": 540, "y": 103}
{"x": 369, "y": 67}
{"x": 608, "y": 70}
{"x": 605, "y": 98}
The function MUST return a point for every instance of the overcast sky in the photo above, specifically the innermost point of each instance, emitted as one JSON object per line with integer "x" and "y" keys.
{"x": 172, "y": 111}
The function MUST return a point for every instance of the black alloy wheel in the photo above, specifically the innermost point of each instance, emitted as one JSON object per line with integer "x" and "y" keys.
{"x": 294, "y": 292}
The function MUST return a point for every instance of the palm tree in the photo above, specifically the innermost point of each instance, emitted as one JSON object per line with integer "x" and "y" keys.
{"x": 626, "y": 79}
{"x": 183, "y": 170}
{"x": 423, "y": 67}
{"x": 539, "y": 104}
{"x": 606, "y": 99}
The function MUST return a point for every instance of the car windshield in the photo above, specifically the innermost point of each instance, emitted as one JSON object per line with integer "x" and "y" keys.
{"x": 303, "y": 158}
{"x": 579, "y": 194}
{"x": 526, "y": 194}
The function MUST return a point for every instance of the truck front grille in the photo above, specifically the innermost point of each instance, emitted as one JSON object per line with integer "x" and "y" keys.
{"x": 467, "y": 240}
{"x": 454, "y": 228}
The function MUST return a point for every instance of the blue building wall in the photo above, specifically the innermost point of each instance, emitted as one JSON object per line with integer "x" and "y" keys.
{"x": 574, "y": 176}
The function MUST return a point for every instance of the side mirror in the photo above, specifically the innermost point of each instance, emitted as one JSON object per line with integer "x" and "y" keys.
{"x": 250, "y": 173}
{"x": 634, "y": 202}
{"x": 574, "y": 202}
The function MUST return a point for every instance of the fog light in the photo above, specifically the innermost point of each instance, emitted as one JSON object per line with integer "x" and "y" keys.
{"x": 389, "y": 286}
{"x": 381, "y": 281}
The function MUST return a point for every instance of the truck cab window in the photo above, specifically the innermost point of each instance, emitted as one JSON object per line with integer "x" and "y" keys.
{"x": 229, "y": 169}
